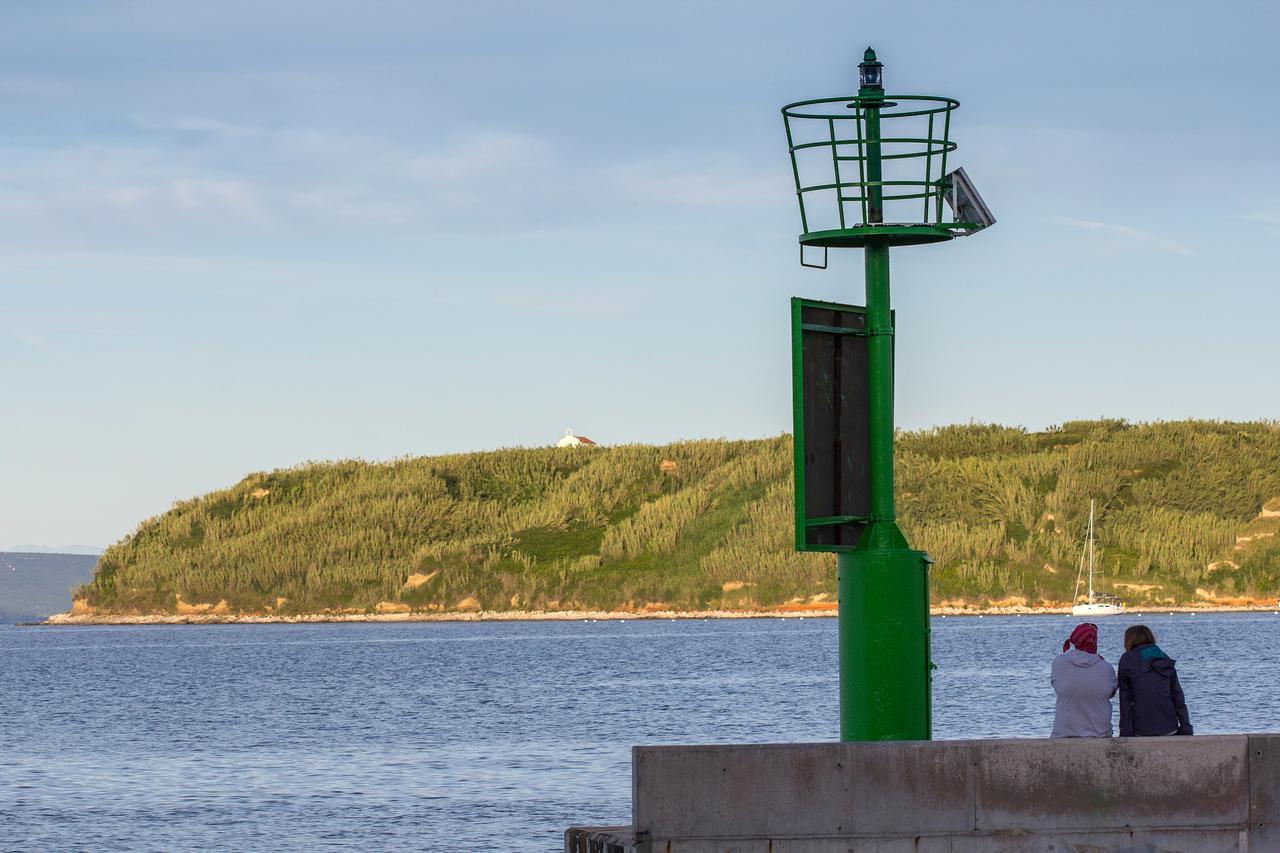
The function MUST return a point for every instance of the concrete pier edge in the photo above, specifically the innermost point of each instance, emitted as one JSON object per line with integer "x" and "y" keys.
{"x": 1204, "y": 793}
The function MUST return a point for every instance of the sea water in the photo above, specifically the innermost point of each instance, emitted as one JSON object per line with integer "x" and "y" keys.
{"x": 481, "y": 736}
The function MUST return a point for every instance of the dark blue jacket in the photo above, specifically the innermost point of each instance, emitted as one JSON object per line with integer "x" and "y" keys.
{"x": 1151, "y": 700}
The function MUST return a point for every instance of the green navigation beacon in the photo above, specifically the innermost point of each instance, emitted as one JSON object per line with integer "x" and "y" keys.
{"x": 870, "y": 173}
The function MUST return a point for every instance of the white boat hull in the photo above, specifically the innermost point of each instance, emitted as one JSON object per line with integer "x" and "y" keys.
{"x": 1097, "y": 610}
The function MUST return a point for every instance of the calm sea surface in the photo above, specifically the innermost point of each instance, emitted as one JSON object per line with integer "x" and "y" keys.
{"x": 479, "y": 736}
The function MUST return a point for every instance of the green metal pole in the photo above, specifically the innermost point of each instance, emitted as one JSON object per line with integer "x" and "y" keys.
{"x": 880, "y": 398}
{"x": 883, "y": 586}
{"x": 880, "y": 344}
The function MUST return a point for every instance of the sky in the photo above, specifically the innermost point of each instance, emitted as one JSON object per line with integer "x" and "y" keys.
{"x": 239, "y": 236}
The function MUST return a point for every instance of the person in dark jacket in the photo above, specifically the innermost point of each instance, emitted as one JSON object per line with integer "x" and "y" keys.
{"x": 1151, "y": 700}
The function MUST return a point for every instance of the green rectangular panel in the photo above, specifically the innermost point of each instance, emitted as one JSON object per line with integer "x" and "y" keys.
{"x": 832, "y": 455}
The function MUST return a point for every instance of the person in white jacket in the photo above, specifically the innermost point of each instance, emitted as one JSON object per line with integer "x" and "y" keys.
{"x": 1084, "y": 683}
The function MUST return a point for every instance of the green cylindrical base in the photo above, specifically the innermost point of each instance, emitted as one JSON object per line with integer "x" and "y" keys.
{"x": 884, "y": 645}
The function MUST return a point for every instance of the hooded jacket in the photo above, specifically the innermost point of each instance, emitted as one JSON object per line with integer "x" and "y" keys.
{"x": 1151, "y": 700}
{"x": 1084, "y": 683}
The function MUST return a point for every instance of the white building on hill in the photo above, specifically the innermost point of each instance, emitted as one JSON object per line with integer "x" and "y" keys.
{"x": 571, "y": 440}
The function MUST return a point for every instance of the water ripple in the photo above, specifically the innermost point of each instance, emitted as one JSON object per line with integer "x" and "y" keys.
{"x": 477, "y": 736}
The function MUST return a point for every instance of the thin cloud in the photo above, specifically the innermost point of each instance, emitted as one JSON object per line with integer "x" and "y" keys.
{"x": 1155, "y": 241}
{"x": 201, "y": 125}
{"x": 33, "y": 87}
{"x": 1270, "y": 220}
{"x": 34, "y": 340}
{"x": 244, "y": 179}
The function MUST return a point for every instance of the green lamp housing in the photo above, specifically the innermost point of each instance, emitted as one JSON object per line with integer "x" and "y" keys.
{"x": 870, "y": 71}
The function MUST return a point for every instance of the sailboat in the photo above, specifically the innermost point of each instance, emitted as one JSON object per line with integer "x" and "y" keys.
{"x": 1098, "y": 604}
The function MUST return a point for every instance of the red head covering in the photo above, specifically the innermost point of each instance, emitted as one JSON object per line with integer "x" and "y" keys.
{"x": 1084, "y": 638}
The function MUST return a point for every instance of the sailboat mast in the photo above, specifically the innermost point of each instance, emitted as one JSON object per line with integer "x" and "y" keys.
{"x": 1091, "y": 552}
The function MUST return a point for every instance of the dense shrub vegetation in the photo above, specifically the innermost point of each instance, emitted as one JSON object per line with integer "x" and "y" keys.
{"x": 1001, "y": 510}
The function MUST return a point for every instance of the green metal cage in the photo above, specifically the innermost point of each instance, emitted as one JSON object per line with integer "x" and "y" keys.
{"x": 837, "y": 145}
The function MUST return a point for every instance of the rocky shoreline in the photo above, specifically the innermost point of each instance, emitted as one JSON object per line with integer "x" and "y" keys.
{"x": 783, "y": 612}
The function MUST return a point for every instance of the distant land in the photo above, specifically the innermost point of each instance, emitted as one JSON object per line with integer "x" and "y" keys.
{"x": 91, "y": 550}
{"x": 36, "y": 585}
{"x": 1187, "y": 516}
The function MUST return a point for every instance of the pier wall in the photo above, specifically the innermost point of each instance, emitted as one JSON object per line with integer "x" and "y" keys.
{"x": 1204, "y": 793}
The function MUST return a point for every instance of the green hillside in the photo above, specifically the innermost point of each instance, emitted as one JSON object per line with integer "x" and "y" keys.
{"x": 1187, "y": 511}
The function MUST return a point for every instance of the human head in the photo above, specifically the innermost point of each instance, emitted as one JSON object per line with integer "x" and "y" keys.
{"x": 1084, "y": 638}
{"x": 1137, "y": 635}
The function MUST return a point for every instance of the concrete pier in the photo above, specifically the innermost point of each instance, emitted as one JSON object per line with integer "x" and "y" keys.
{"x": 1138, "y": 795}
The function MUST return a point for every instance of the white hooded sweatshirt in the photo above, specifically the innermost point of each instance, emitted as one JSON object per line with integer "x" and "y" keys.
{"x": 1085, "y": 684}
